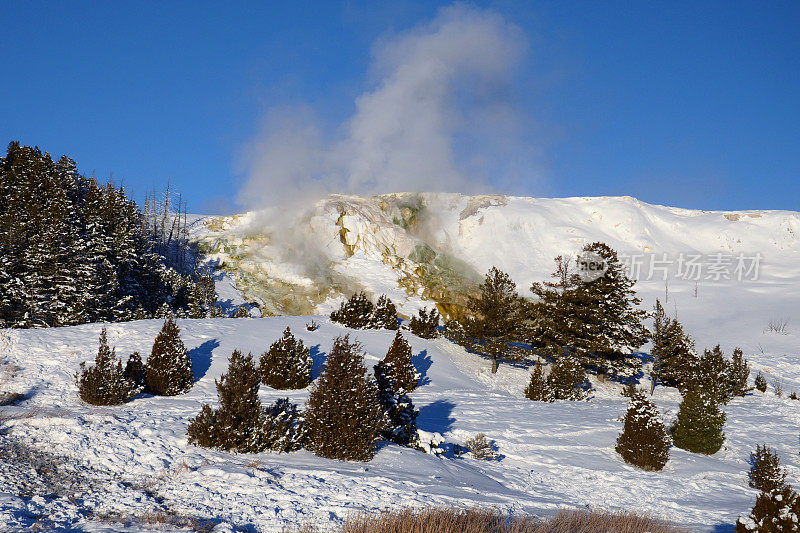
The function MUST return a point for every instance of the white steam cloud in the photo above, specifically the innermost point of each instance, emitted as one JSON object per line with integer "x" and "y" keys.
{"x": 440, "y": 118}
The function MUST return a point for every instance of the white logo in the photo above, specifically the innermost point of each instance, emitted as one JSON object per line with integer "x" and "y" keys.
{"x": 591, "y": 266}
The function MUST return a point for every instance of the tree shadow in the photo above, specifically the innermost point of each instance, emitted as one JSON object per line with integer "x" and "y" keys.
{"x": 201, "y": 358}
{"x": 318, "y": 358}
{"x": 723, "y": 528}
{"x": 422, "y": 362}
{"x": 436, "y": 416}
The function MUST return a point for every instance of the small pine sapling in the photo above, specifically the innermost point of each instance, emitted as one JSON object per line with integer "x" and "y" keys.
{"x": 400, "y": 413}
{"x": 766, "y": 473}
{"x": 699, "y": 425}
{"x": 135, "y": 373}
{"x": 537, "y": 389}
{"x": 287, "y": 363}
{"x": 425, "y": 324}
{"x": 644, "y": 441}
{"x": 566, "y": 379}
{"x": 399, "y": 358}
{"x": 384, "y": 316}
{"x": 738, "y": 374}
{"x": 169, "y": 367}
{"x": 104, "y": 383}
{"x": 281, "y": 428}
{"x": 761, "y": 382}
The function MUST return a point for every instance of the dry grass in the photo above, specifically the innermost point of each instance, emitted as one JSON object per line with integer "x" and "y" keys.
{"x": 451, "y": 520}
{"x": 778, "y": 325}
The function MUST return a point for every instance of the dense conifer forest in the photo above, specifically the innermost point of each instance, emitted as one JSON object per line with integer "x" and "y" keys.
{"x": 73, "y": 250}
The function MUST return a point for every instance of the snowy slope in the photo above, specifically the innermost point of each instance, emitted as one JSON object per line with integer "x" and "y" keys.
{"x": 554, "y": 455}
{"x": 132, "y": 459}
{"x": 418, "y": 247}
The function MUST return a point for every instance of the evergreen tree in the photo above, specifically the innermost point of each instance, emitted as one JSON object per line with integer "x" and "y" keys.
{"x": 644, "y": 441}
{"x": 242, "y": 312}
{"x": 384, "y": 315}
{"x": 104, "y": 383}
{"x": 497, "y": 318}
{"x": 537, "y": 389}
{"x": 72, "y": 251}
{"x": 135, "y": 373}
{"x": 674, "y": 358}
{"x": 287, "y": 363}
{"x": 738, "y": 374}
{"x": 425, "y": 324}
{"x": 766, "y": 473}
{"x": 169, "y": 368}
{"x": 776, "y": 512}
{"x": 712, "y": 375}
{"x": 400, "y": 414}
{"x": 566, "y": 379}
{"x": 282, "y": 429}
{"x": 398, "y": 358}
{"x": 356, "y": 312}
{"x": 700, "y": 422}
{"x": 344, "y": 415}
{"x": 761, "y": 382}
{"x": 241, "y": 424}
{"x": 596, "y": 320}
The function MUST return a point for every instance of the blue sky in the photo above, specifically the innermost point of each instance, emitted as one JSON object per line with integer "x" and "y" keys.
{"x": 694, "y": 104}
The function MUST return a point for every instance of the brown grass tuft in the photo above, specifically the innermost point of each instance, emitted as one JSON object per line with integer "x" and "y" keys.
{"x": 452, "y": 520}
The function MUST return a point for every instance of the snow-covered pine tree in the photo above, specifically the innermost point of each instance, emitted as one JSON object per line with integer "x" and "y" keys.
{"x": 673, "y": 352}
{"x": 425, "y": 324}
{"x": 242, "y": 312}
{"x": 235, "y": 425}
{"x": 497, "y": 318}
{"x": 712, "y": 375}
{"x": 700, "y": 423}
{"x": 537, "y": 389}
{"x": 104, "y": 383}
{"x": 597, "y": 321}
{"x": 766, "y": 473}
{"x": 566, "y": 379}
{"x": 344, "y": 415}
{"x": 287, "y": 363}
{"x": 384, "y": 315}
{"x": 761, "y": 382}
{"x": 169, "y": 368}
{"x": 135, "y": 373}
{"x": 776, "y": 512}
{"x": 738, "y": 374}
{"x": 356, "y": 312}
{"x": 398, "y": 358}
{"x": 644, "y": 441}
{"x": 72, "y": 251}
{"x": 401, "y": 416}
{"x": 282, "y": 428}
{"x": 679, "y": 361}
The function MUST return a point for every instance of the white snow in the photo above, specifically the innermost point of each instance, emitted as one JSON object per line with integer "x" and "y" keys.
{"x": 552, "y": 455}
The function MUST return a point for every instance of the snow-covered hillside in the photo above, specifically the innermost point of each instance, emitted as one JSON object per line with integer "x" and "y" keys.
{"x": 728, "y": 274}
{"x": 133, "y": 459}
{"x": 117, "y": 462}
